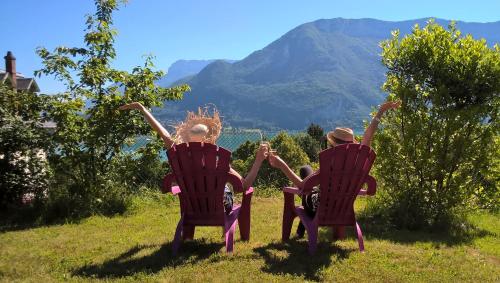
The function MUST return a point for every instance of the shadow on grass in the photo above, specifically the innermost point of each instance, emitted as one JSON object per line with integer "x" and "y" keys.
{"x": 291, "y": 257}
{"x": 20, "y": 218}
{"x": 376, "y": 229}
{"x": 132, "y": 261}
{"x": 24, "y": 217}
{"x": 31, "y": 218}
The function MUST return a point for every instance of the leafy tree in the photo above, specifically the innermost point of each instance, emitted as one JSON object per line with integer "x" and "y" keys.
{"x": 245, "y": 150}
{"x": 487, "y": 178}
{"x": 291, "y": 152}
{"x": 23, "y": 143}
{"x": 309, "y": 145}
{"x": 316, "y": 132}
{"x": 89, "y": 139}
{"x": 286, "y": 147}
{"x": 433, "y": 154}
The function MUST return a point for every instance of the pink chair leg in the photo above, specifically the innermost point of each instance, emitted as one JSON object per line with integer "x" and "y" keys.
{"x": 230, "y": 236}
{"x": 338, "y": 232}
{"x": 312, "y": 237}
{"x": 177, "y": 237}
{"x": 244, "y": 217}
{"x": 288, "y": 216}
{"x": 188, "y": 232}
{"x": 360, "y": 238}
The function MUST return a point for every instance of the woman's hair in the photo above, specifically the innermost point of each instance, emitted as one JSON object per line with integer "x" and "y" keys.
{"x": 200, "y": 124}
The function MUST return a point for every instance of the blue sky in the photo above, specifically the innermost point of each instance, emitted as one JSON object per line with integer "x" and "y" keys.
{"x": 199, "y": 29}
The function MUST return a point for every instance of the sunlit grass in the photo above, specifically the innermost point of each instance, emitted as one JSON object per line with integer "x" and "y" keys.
{"x": 137, "y": 247}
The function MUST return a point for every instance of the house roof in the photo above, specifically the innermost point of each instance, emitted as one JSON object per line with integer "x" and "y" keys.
{"x": 3, "y": 76}
{"x": 27, "y": 84}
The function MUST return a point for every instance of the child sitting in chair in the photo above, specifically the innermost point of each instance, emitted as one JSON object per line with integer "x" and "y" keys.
{"x": 339, "y": 136}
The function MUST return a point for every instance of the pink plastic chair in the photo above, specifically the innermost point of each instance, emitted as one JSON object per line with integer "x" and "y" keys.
{"x": 343, "y": 171}
{"x": 201, "y": 171}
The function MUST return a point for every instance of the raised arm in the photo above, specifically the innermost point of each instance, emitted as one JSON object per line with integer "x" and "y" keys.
{"x": 164, "y": 134}
{"x": 261, "y": 155}
{"x": 277, "y": 162}
{"x": 372, "y": 128}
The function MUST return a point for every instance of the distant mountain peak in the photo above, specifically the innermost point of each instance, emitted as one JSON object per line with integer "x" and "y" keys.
{"x": 184, "y": 68}
{"x": 327, "y": 72}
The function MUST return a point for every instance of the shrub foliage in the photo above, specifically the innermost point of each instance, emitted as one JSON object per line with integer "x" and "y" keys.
{"x": 436, "y": 154}
{"x": 91, "y": 131}
{"x": 287, "y": 148}
{"x": 23, "y": 145}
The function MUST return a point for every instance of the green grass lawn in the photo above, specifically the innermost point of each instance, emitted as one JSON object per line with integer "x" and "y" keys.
{"x": 137, "y": 247}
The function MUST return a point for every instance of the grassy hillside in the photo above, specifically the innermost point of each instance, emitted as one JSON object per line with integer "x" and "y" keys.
{"x": 137, "y": 247}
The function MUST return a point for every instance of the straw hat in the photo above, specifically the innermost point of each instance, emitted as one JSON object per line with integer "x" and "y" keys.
{"x": 199, "y": 126}
{"x": 343, "y": 134}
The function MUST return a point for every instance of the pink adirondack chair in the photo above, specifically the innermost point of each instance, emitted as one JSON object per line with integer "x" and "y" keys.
{"x": 343, "y": 172}
{"x": 201, "y": 171}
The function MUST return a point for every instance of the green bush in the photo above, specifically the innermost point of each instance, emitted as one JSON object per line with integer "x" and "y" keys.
{"x": 488, "y": 179}
{"x": 268, "y": 177}
{"x": 309, "y": 145}
{"x": 318, "y": 134}
{"x": 245, "y": 151}
{"x": 91, "y": 132}
{"x": 122, "y": 182}
{"x": 437, "y": 152}
{"x": 143, "y": 168}
{"x": 23, "y": 145}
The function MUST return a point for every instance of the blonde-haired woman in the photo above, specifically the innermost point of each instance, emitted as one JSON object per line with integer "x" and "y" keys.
{"x": 201, "y": 127}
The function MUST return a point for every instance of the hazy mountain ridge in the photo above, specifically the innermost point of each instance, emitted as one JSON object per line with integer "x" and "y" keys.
{"x": 327, "y": 72}
{"x": 181, "y": 69}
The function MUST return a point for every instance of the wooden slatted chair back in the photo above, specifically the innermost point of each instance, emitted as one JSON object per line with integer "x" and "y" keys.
{"x": 201, "y": 171}
{"x": 343, "y": 170}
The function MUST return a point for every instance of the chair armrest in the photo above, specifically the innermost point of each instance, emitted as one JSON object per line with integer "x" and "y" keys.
{"x": 372, "y": 186}
{"x": 310, "y": 182}
{"x": 249, "y": 191}
{"x": 168, "y": 180}
{"x": 175, "y": 190}
{"x": 236, "y": 183}
{"x": 288, "y": 194}
{"x": 292, "y": 190}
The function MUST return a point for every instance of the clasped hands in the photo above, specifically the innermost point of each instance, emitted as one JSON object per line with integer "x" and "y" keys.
{"x": 265, "y": 152}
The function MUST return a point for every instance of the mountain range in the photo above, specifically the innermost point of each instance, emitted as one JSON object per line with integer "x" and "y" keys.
{"x": 182, "y": 69}
{"x": 327, "y": 72}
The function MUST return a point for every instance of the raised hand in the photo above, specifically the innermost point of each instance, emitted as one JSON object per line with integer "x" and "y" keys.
{"x": 389, "y": 105}
{"x": 276, "y": 161}
{"x": 133, "y": 105}
{"x": 372, "y": 128}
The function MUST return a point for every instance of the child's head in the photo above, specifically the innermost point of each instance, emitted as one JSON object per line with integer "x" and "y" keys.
{"x": 340, "y": 136}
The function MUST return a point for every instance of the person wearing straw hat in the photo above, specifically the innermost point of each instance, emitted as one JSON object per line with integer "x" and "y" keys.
{"x": 201, "y": 127}
{"x": 336, "y": 137}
